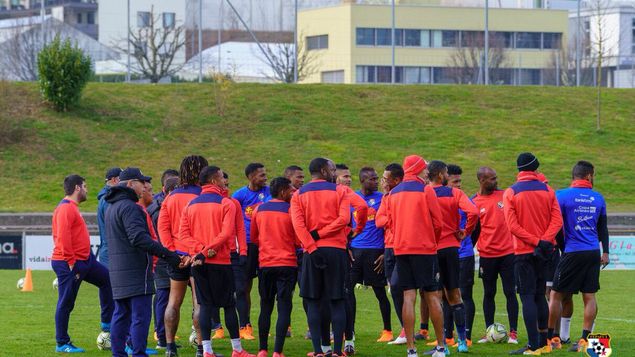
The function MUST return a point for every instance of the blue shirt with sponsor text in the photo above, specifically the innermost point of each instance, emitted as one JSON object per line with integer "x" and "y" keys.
{"x": 467, "y": 248}
{"x": 581, "y": 209}
{"x": 371, "y": 237}
{"x": 249, "y": 200}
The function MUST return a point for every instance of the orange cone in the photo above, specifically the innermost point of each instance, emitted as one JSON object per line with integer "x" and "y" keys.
{"x": 28, "y": 281}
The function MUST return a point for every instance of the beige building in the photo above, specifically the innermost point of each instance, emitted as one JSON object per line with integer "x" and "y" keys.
{"x": 351, "y": 43}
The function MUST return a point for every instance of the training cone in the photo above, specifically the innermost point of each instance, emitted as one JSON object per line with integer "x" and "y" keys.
{"x": 28, "y": 281}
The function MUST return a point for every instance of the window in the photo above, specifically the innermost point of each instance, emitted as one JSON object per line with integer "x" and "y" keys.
{"x": 587, "y": 38}
{"x": 90, "y": 18}
{"x": 317, "y": 42}
{"x": 416, "y": 75}
{"x": 384, "y": 74}
{"x": 551, "y": 40}
{"x": 435, "y": 38}
{"x": 503, "y": 39}
{"x": 140, "y": 48}
{"x": 143, "y": 19}
{"x": 412, "y": 38}
{"x": 633, "y": 37}
{"x": 443, "y": 75}
{"x": 529, "y": 77}
{"x": 365, "y": 74}
{"x": 79, "y": 17}
{"x": 365, "y": 36}
{"x": 425, "y": 39}
{"x": 333, "y": 76}
{"x": 384, "y": 37}
{"x": 528, "y": 40}
{"x": 398, "y": 37}
{"x": 472, "y": 39}
{"x": 449, "y": 38}
{"x": 168, "y": 20}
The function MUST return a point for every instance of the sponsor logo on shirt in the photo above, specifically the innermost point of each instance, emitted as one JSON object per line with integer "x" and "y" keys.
{"x": 500, "y": 204}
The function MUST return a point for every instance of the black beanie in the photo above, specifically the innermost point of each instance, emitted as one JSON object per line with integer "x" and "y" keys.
{"x": 527, "y": 162}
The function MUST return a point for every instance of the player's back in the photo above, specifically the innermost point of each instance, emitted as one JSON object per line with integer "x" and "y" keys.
{"x": 273, "y": 231}
{"x": 170, "y": 216}
{"x": 581, "y": 210}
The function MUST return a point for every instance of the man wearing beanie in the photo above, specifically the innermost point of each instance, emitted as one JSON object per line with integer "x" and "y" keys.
{"x": 414, "y": 211}
{"x": 533, "y": 217}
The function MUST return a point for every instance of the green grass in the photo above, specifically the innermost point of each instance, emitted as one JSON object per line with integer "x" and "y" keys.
{"x": 28, "y": 323}
{"x": 154, "y": 126}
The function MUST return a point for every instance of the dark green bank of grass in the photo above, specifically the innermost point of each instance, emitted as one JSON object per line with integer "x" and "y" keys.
{"x": 154, "y": 126}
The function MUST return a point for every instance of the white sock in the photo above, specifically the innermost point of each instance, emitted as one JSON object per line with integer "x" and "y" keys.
{"x": 326, "y": 349}
{"x": 236, "y": 346}
{"x": 593, "y": 326}
{"x": 565, "y": 328}
{"x": 207, "y": 347}
{"x": 349, "y": 343}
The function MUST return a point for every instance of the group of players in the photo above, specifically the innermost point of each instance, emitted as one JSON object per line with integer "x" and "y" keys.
{"x": 417, "y": 236}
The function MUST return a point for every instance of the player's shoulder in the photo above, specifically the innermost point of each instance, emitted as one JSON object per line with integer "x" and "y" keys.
{"x": 239, "y": 193}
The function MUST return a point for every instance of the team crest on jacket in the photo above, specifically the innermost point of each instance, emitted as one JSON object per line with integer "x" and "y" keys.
{"x": 599, "y": 345}
{"x": 500, "y": 204}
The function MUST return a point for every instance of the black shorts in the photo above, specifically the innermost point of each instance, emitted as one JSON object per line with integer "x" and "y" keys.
{"x": 329, "y": 282}
{"x": 214, "y": 285}
{"x": 178, "y": 274}
{"x": 251, "y": 268}
{"x": 363, "y": 269}
{"x": 240, "y": 278}
{"x": 551, "y": 266}
{"x": 578, "y": 272}
{"x": 491, "y": 268}
{"x": 466, "y": 271}
{"x": 418, "y": 271}
{"x": 389, "y": 263}
{"x": 277, "y": 282}
{"x": 449, "y": 267}
{"x": 530, "y": 273}
{"x": 299, "y": 253}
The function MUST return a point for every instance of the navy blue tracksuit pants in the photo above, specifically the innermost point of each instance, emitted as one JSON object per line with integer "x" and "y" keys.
{"x": 131, "y": 319}
{"x": 160, "y": 304}
{"x": 69, "y": 282}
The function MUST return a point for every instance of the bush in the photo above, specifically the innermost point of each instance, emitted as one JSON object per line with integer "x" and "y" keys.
{"x": 64, "y": 71}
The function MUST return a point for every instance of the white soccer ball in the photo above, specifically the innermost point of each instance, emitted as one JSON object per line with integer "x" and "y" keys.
{"x": 103, "y": 340}
{"x": 20, "y": 283}
{"x": 193, "y": 340}
{"x": 496, "y": 333}
{"x": 55, "y": 284}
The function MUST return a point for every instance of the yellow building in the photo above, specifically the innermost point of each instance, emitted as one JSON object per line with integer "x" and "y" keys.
{"x": 351, "y": 43}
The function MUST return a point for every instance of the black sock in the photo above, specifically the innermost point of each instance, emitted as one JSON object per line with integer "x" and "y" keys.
{"x": 285, "y": 305}
{"x": 397, "y": 299}
{"x": 171, "y": 346}
{"x": 550, "y": 333}
{"x": 338, "y": 319}
{"x": 384, "y": 306}
{"x": 350, "y": 308}
{"x": 531, "y": 320}
{"x": 468, "y": 301}
{"x": 314, "y": 319}
{"x": 199, "y": 348}
{"x": 585, "y": 334}
{"x": 448, "y": 322}
{"x": 264, "y": 322}
{"x": 543, "y": 339}
{"x": 423, "y": 326}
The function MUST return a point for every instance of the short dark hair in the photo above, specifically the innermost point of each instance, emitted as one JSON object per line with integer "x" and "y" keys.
{"x": 291, "y": 169}
{"x": 207, "y": 173}
{"x": 395, "y": 169}
{"x": 317, "y": 165}
{"x": 364, "y": 170}
{"x": 70, "y": 182}
{"x": 167, "y": 173}
{"x": 253, "y": 167}
{"x": 435, "y": 167}
{"x": 454, "y": 169}
{"x": 582, "y": 169}
{"x": 341, "y": 167}
{"x": 278, "y": 185}
{"x": 170, "y": 184}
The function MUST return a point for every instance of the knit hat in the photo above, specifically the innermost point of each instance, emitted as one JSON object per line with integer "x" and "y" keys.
{"x": 527, "y": 162}
{"x": 413, "y": 165}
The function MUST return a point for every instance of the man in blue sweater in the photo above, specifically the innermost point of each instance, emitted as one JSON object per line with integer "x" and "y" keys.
{"x": 112, "y": 179}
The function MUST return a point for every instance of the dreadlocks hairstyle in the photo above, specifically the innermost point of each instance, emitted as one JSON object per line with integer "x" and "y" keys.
{"x": 191, "y": 167}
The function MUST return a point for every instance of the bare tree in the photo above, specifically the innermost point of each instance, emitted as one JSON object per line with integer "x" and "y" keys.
{"x": 280, "y": 57}
{"x": 563, "y": 64}
{"x": 599, "y": 50}
{"x": 467, "y": 60}
{"x": 155, "y": 47}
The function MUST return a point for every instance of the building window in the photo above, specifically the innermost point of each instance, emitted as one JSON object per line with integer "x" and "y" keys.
{"x": 317, "y": 42}
{"x": 169, "y": 20}
{"x": 633, "y": 37}
{"x": 472, "y": 39}
{"x": 443, "y": 75}
{"x": 449, "y": 38}
{"x": 528, "y": 40}
{"x": 140, "y": 48}
{"x": 90, "y": 18}
{"x": 551, "y": 40}
{"x": 143, "y": 19}
{"x": 529, "y": 77}
{"x": 333, "y": 76}
{"x": 384, "y": 37}
{"x": 587, "y": 38}
{"x": 384, "y": 74}
{"x": 435, "y": 38}
{"x": 365, "y": 36}
{"x": 365, "y": 74}
{"x": 398, "y": 37}
{"x": 503, "y": 39}
{"x": 79, "y": 17}
{"x": 425, "y": 39}
{"x": 412, "y": 38}
{"x": 416, "y": 75}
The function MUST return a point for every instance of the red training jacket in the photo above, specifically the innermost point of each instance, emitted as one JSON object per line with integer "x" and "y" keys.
{"x": 360, "y": 209}
{"x": 241, "y": 232}
{"x": 495, "y": 240}
{"x": 450, "y": 200}
{"x": 71, "y": 241}
{"x": 170, "y": 216}
{"x": 382, "y": 220}
{"x": 272, "y": 231}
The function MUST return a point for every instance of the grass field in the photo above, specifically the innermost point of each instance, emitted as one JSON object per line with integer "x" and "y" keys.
{"x": 27, "y": 324}
{"x": 154, "y": 126}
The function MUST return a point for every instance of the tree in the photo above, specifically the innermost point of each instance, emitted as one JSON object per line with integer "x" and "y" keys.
{"x": 280, "y": 57}
{"x": 466, "y": 62}
{"x": 563, "y": 64}
{"x": 155, "y": 47}
{"x": 599, "y": 47}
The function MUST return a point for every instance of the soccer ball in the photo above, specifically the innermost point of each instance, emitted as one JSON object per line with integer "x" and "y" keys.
{"x": 597, "y": 347}
{"x": 496, "y": 333}
{"x": 55, "y": 284}
{"x": 20, "y": 283}
{"x": 103, "y": 340}
{"x": 193, "y": 340}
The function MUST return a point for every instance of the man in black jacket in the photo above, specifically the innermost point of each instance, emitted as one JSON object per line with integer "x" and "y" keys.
{"x": 131, "y": 248}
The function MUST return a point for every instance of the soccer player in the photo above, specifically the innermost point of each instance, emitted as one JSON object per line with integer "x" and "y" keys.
{"x": 272, "y": 231}
{"x": 169, "y": 225}
{"x": 161, "y": 276}
{"x": 450, "y": 201}
{"x": 584, "y": 231}
{"x": 208, "y": 227}
{"x": 296, "y": 175}
{"x": 249, "y": 197}
{"x": 415, "y": 214}
{"x": 368, "y": 250}
{"x": 320, "y": 213}
{"x": 496, "y": 251}
{"x": 167, "y": 174}
{"x": 131, "y": 249}
{"x": 392, "y": 176}
{"x": 73, "y": 262}
{"x": 112, "y": 178}
{"x": 533, "y": 217}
